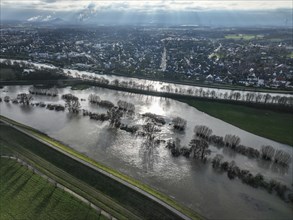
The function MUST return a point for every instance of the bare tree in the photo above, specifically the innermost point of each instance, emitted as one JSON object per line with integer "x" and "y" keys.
{"x": 94, "y": 98}
{"x": 258, "y": 97}
{"x": 231, "y": 140}
{"x": 250, "y": 96}
{"x": 237, "y": 95}
{"x": 267, "y": 152}
{"x": 283, "y": 100}
{"x": 150, "y": 130}
{"x": 179, "y": 123}
{"x": 199, "y": 148}
{"x": 174, "y": 146}
{"x": 126, "y": 106}
{"x": 24, "y": 98}
{"x": 202, "y": 131}
{"x": 71, "y": 103}
{"x": 282, "y": 157}
{"x": 115, "y": 116}
{"x": 267, "y": 97}
{"x": 216, "y": 162}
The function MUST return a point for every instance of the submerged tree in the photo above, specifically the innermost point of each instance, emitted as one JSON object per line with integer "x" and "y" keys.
{"x": 282, "y": 157}
{"x": 115, "y": 116}
{"x": 174, "y": 146}
{"x": 6, "y": 99}
{"x": 179, "y": 123}
{"x": 24, "y": 98}
{"x": 126, "y": 106}
{"x": 231, "y": 140}
{"x": 150, "y": 130}
{"x": 72, "y": 103}
{"x": 216, "y": 162}
{"x": 267, "y": 152}
{"x": 202, "y": 131}
{"x": 199, "y": 148}
{"x": 94, "y": 98}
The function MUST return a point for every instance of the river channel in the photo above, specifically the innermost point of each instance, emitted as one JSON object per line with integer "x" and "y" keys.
{"x": 189, "y": 181}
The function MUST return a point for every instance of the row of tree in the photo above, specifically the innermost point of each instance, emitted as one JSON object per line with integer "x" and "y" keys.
{"x": 42, "y": 91}
{"x": 199, "y": 92}
{"x": 154, "y": 118}
{"x": 22, "y": 98}
{"x": 279, "y": 156}
{"x": 233, "y": 142}
{"x": 95, "y": 99}
{"x": 56, "y": 107}
{"x": 126, "y": 106}
{"x": 198, "y": 148}
{"x": 256, "y": 181}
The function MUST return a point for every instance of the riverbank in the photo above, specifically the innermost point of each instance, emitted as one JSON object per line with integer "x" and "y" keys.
{"x": 138, "y": 204}
{"x": 260, "y": 121}
{"x": 213, "y": 85}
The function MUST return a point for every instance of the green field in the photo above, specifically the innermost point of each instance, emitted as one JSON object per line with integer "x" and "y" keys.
{"x": 241, "y": 36}
{"x": 25, "y": 195}
{"x": 113, "y": 197}
{"x": 270, "y": 124}
{"x": 80, "y": 87}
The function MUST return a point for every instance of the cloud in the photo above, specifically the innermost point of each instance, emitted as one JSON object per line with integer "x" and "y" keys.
{"x": 85, "y": 10}
{"x": 35, "y": 18}
{"x": 49, "y": 1}
{"x": 136, "y": 5}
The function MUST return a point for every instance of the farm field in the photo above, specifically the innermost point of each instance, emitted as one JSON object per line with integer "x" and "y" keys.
{"x": 241, "y": 36}
{"x": 25, "y": 195}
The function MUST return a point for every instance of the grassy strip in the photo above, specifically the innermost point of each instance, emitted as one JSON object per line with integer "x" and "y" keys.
{"x": 67, "y": 180}
{"x": 80, "y": 86}
{"x": 111, "y": 171}
{"x": 25, "y": 195}
{"x": 270, "y": 124}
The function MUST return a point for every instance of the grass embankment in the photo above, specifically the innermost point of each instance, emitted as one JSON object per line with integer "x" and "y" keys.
{"x": 128, "y": 198}
{"x": 270, "y": 124}
{"x": 25, "y": 195}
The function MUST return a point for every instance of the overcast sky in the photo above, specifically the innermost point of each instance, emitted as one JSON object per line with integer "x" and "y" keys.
{"x": 153, "y": 5}
{"x": 201, "y": 12}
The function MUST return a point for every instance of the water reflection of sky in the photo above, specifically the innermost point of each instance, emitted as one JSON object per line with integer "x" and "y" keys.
{"x": 195, "y": 184}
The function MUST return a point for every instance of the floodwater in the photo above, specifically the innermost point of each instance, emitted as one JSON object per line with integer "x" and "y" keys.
{"x": 159, "y": 86}
{"x": 188, "y": 181}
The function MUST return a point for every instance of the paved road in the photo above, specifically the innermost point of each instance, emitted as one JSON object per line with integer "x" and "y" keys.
{"x": 178, "y": 213}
